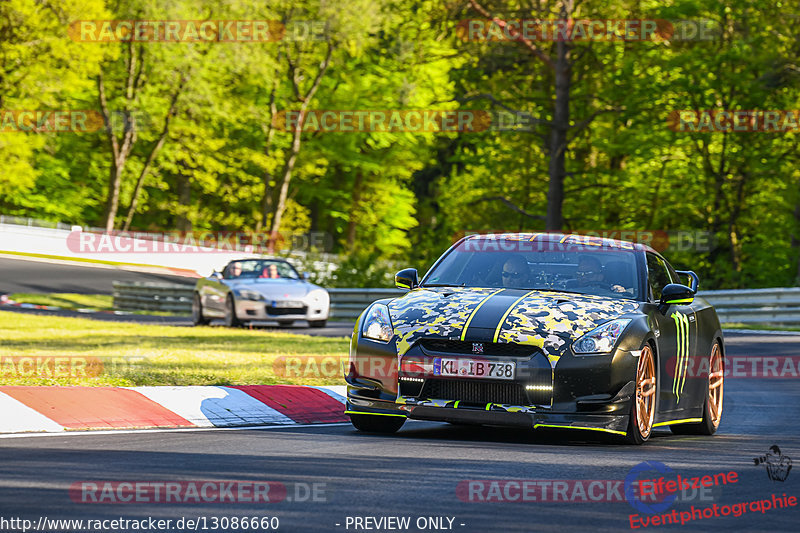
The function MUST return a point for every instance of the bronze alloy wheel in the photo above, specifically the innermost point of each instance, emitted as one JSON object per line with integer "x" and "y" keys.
{"x": 645, "y": 391}
{"x": 716, "y": 382}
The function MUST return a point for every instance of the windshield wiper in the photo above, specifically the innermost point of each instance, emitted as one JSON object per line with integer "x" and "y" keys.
{"x": 442, "y": 285}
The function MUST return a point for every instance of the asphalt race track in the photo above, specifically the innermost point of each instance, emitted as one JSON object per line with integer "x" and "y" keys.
{"x": 20, "y": 275}
{"x": 23, "y": 275}
{"x": 416, "y": 472}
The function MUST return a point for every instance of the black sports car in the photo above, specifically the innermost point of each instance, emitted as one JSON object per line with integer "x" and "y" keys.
{"x": 541, "y": 331}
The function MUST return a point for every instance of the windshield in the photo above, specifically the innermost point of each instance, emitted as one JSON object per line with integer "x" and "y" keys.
{"x": 259, "y": 268}
{"x": 506, "y": 264}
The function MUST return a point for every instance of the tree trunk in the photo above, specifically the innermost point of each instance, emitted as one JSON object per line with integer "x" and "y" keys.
{"x": 558, "y": 139}
{"x": 185, "y": 200}
{"x": 352, "y": 223}
{"x": 112, "y": 200}
{"x": 296, "y": 140}
{"x": 266, "y": 200}
{"x": 154, "y": 153}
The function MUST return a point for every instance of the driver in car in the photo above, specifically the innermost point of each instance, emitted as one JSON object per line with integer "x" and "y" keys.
{"x": 234, "y": 270}
{"x": 590, "y": 274}
{"x": 516, "y": 273}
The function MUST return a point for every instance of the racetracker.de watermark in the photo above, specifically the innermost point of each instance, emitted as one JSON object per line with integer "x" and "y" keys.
{"x": 63, "y": 367}
{"x": 193, "y": 31}
{"x": 50, "y": 121}
{"x": 71, "y": 121}
{"x": 195, "y": 492}
{"x": 196, "y": 242}
{"x": 725, "y": 120}
{"x": 577, "y": 30}
{"x": 384, "y": 120}
{"x": 612, "y": 239}
{"x": 740, "y": 366}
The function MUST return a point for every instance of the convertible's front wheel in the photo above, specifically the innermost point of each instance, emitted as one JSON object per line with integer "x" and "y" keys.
{"x": 712, "y": 409}
{"x": 377, "y": 424}
{"x": 197, "y": 312}
{"x": 231, "y": 320}
{"x": 643, "y": 404}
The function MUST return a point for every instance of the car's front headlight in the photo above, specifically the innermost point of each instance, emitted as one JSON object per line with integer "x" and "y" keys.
{"x": 601, "y": 339}
{"x": 318, "y": 296}
{"x": 245, "y": 294}
{"x": 377, "y": 324}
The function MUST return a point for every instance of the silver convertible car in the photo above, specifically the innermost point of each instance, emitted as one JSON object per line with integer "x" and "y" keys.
{"x": 259, "y": 290}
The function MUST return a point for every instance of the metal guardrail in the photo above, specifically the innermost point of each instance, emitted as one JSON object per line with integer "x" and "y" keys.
{"x": 161, "y": 297}
{"x": 756, "y": 306}
{"x": 347, "y": 304}
{"x": 751, "y": 306}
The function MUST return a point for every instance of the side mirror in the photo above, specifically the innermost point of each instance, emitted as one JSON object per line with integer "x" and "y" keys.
{"x": 216, "y": 275}
{"x": 694, "y": 280}
{"x": 675, "y": 293}
{"x": 406, "y": 279}
{"x": 306, "y": 276}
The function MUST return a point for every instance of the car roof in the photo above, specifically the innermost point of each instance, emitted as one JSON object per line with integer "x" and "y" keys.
{"x": 564, "y": 238}
{"x": 258, "y": 259}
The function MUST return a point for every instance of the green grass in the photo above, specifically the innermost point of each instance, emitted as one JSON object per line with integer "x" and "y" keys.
{"x": 767, "y": 327}
{"x": 101, "y": 302}
{"x": 124, "y": 354}
{"x": 97, "y": 302}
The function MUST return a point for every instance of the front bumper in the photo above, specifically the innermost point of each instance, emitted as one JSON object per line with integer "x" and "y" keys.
{"x": 261, "y": 310}
{"x": 528, "y": 417}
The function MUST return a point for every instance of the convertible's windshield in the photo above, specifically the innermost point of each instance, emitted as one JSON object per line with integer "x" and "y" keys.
{"x": 582, "y": 269}
{"x": 259, "y": 268}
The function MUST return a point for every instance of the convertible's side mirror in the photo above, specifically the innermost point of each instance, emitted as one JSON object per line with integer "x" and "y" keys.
{"x": 217, "y": 276}
{"x": 306, "y": 276}
{"x": 406, "y": 279}
{"x": 675, "y": 293}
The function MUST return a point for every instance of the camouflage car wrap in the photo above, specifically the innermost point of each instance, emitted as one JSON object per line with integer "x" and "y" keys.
{"x": 543, "y": 319}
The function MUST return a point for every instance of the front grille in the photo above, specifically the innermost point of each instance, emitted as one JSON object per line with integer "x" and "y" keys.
{"x": 275, "y": 311}
{"x": 466, "y": 347}
{"x": 468, "y": 391}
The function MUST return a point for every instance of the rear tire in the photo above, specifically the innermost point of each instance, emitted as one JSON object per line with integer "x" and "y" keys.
{"x": 377, "y": 424}
{"x": 643, "y": 401}
{"x": 231, "y": 319}
{"x": 714, "y": 396}
{"x": 197, "y": 312}
{"x": 317, "y": 323}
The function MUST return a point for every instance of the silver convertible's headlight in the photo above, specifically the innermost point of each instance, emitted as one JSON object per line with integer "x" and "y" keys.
{"x": 245, "y": 294}
{"x": 318, "y": 296}
{"x": 601, "y": 339}
{"x": 377, "y": 324}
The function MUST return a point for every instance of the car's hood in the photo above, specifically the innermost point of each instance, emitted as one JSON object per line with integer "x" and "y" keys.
{"x": 542, "y": 318}
{"x": 275, "y": 289}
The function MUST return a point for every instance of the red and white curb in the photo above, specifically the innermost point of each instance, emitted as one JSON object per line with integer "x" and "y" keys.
{"x": 56, "y": 409}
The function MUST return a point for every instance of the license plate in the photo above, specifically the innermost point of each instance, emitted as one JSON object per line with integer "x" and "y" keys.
{"x": 287, "y": 303}
{"x": 471, "y": 368}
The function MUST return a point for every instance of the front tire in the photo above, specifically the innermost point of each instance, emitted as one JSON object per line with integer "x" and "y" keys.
{"x": 317, "y": 323}
{"x": 231, "y": 320}
{"x": 377, "y": 424}
{"x": 643, "y": 402}
{"x": 712, "y": 407}
{"x": 197, "y": 312}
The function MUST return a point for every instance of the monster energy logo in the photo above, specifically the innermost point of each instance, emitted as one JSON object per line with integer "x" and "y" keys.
{"x": 682, "y": 327}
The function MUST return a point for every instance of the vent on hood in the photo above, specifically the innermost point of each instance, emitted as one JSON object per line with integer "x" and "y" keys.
{"x": 445, "y": 346}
